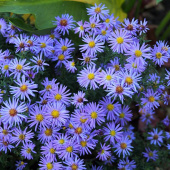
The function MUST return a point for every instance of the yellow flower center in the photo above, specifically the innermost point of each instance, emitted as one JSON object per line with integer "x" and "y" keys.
{"x": 138, "y": 53}
{"x": 48, "y": 132}
{"x": 102, "y": 151}
{"x": 83, "y": 143}
{"x": 83, "y": 120}
{"x": 49, "y": 166}
{"x": 112, "y": 133}
{"x": 117, "y": 67}
{"x": 55, "y": 113}
{"x": 129, "y": 80}
{"x": 70, "y": 126}
{"x": 87, "y": 59}
{"x": 64, "y": 48}
{"x": 22, "y": 163}
{"x": 58, "y": 97}
{"x": 94, "y": 115}
{"x": 91, "y": 76}
{"x": 97, "y": 10}
{"x": 123, "y": 145}
{"x": 158, "y": 55}
{"x": 6, "y": 67}
{"x": 63, "y": 22}
{"x": 107, "y": 20}
{"x": 155, "y": 137}
{"x": 81, "y": 28}
{"x": 108, "y": 77}
{"x": 119, "y": 40}
{"x": 12, "y": 112}
{"x": 19, "y": 67}
{"x": 52, "y": 150}
{"x": 23, "y": 88}
{"x": 39, "y": 117}
{"x": 134, "y": 65}
{"x": 103, "y": 32}
{"x": 150, "y": 154}
{"x": 43, "y": 45}
{"x": 52, "y": 36}
{"x": 93, "y": 25}
{"x": 48, "y": 87}
{"x": 91, "y": 44}
{"x": 165, "y": 48}
{"x": 73, "y": 64}
{"x": 78, "y": 130}
{"x": 28, "y": 150}
{"x": 69, "y": 149}
{"x": 151, "y": 99}
{"x": 39, "y": 62}
{"x": 5, "y": 132}
{"x": 74, "y": 167}
{"x": 122, "y": 115}
{"x": 21, "y": 136}
{"x": 119, "y": 89}
{"x": 110, "y": 107}
{"x": 61, "y": 141}
{"x": 61, "y": 57}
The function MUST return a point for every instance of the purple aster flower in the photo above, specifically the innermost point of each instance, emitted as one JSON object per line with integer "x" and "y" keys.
{"x": 32, "y": 43}
{"x": 118, "y": 89}
{"x": 131, "y": 79}
{"x": 167, "y": 77}
{"x": 20, "y": 165}
{"x": 49, "y": 151}
{"x": 124, "y": 115}
{"x": 166, "y": 121}
{"x": 110, "y": 108}
{"x": 104, "y": 33}
{"x": 18, "y": 66}
{"x": 69, "y": 150}
{"x": 38, "y": 117}
{"x": 49, "y": 86}
{"x": 47, "y": 134}
{"x": 123, "y": 146}
{"x": 27, "y": 149}
{"x": 155, "y": 137}
{"x": 94, "y": 44}
{"x": 45, "y": 44}
{"x": 106, "y": 77}
{"x": 112, "y": 132}
{"x": 129, "y": 164}
{"x": 159, "y": 56}
{"x": 147, "y": 116}
{"x": 104, "y": 152}
{"x": 150, "y": 155}
{"x": 151, "y": 99}
{"x": 138, "y": 53}
{"x": 5, "y": 132}
{"x": 88, "y": 59}
{"x": 114, "y": 64}
{"x": 120, "y": 40}
{"x": 5, "y": 145}
{"x": 80, "y": 29}
{"x": 97, "y": 11}
{"x": 166, "y": 98}
{"x": 64, "y": 46}
{"x": 46, "y": 164}
{"x": 25, "y": 88}
{"x": 3, "y": 26}
{"x": 108, "y": 21}
{"x": 92, "y": 26}
{"x": 60, "y": 94}
{"x": 139, "y": 68}
{"x": 142, "y": 27}
{"x": 39, "y": 63}
{"x": 89, "y": 76}
{"x": 95, "y": 114}
{"x": 20, "y": 42}
{"x": 70, "y": 66}
{"x": 74, "y": 164}
{"x": 23, "y": 136}
{"x": 31, "y": 75}
{"x": 57, "y": 113}
{"x": 64, "y": 24}
{"x": 61, "y": 140}
{"x": 12, "y": 112}
{"x": 79, "y": 99}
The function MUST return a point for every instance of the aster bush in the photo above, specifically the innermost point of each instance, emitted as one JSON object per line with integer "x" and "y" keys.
{"x": 68, "y": 98}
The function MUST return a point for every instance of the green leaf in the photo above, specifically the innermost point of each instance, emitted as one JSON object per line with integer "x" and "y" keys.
{"x": 45, "y": 10}
{"x": 157, "y": 1}
{"x": 128, "y": 5}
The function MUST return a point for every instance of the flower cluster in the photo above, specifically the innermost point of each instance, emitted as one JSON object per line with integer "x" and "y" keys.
{"x": 64, "y": 108}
